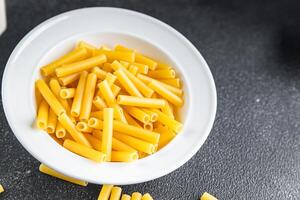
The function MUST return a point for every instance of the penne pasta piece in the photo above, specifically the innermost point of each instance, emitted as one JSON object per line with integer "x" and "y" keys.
{"x": 67, "y": 93}
{"x": 169, "y": 122}
{"x": 153, "y": 115}
{"x": 52, "y": 121}
{"x": 38, "y": 96}
{"x": 50, "y": 97}
{"x": 116, "y": 65}
{"x": 207, "y": 196}
{"x": 134, "y": 131}
{"x": 107, "y": 93}
{"x": 147, "y": 196}
{"x": 133, "y": 69}
{"x": 125, "y": 64}
{"x": 105, "y": 192}
{"x": 73, "y": 56}
{"x": 131, "y": 120}
{"x": 144, "y": 69}
{"x": 1, "y": 188}
{"x": 88, "y": 96}
{"x": 119, "y": 114}
{"x": 125, "y": 197}
{"x": 147, "y": 80}
{"x": 127, "y": 83}
{"x": 115, "y": 89}
{"x": 70, "y": 127}
{"x": 138, "y": 114}
{"x": 66, "y": 80}
{"x": 136, "y": 196}
{"x": 140, "y": 101}
{"x": 164, "y": 92}
{"x": 119, "y": 47}
{"x": 46, "y": 170}
{"x": 42, "y": 117}
{"x": 163, "y": 66}
{"x": 166, "y": 136}
{"x": 148, "y": 126}
{"x": 118, "y": 145}
{"x": 101, "y": 74}
{"x": 110, "y": 78}
{"x": 55, "y": 87}
{"x": 123, "y": 156}
{"x": 99, "y": 103}
{"x": 90, "y": 48}
{"x": 175, "y": 82}
{"x": 108, "y": 118}
{"x": 77, "y": 100}
{"x": 115, "y": 193}
{"x": 105, "y": 47}
{"x": 83, "y": 127}
{"x": 163, "y": 73}
{"x": 137, "y": 144}
{"x": 140, "y": 85}
{"x": 60, "y": 131}
{"x": 72, "y": 68}
{"x": 97, "y": 114}
{"x": 84, "y": 151}
{"x": 168, "y": 110}
{"x": 95, "y": 123}
{"x": 139, "y": 58}
{"x": 117, "y": 55}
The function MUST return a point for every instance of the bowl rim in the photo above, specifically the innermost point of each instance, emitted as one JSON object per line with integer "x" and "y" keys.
{"x": 208, "y": 126}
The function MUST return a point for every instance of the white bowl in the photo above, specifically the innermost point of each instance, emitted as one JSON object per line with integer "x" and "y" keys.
{"x": 108, "y": 26}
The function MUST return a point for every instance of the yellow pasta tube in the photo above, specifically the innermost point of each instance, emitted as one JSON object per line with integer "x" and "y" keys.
{"x": 118, "y": 145}
{"x": 140, "y": 85}
{"x": 55, "y": 87}
{"x": 163, "y": 66}
{"x": 116, "y": 65}
{"x": 95, "y": 142}
{"x": 125, "y": 64}
{"x": 115, "y": 89}
{"x": 84, "y": 151}
{"x": 46, "y": 170}
{"x": 153, "y": 115}
{"x": 52, "y": 121}
{"x": 133, "y": 69}
{"x": 99, "y": 103}
{"x": 88, "y": 96}
{"x": 86, "y": 64}
{"x": 168, "y": 110}
{"x": 38, "y": 96}
{"x": 1, "y": 188}
{"x": 70, "y": 57}
{"x": 95, "y": 123}
{"x": 66, "y": 80}
{"x": 140, "y": 101}
{"x": 77, "y": 101}
{"x": 42, "y": 117}
{"x": 108, "y": 117}
{"x": 137, "y": 144}
{"x": 120, "y": 47}
{"x": 147, "y": 80}
{"x": 174, "y": 99}
{"x": 138, "y": 114}
{"x": 105, "y": 192}
{"x": 123, "y": 156}
{"x": 125, "y": 197}
{"x": 131, "y": 120}
{"x": 115, "y": 193}
{"x": 169, "y": 122}
{"x": 90, "y": 48}
{"x": 67, "y": 93}
{"x": 139, "y": 58}
{"x": 83, "y": 127}
{"x": 101, "y": 74}
{"x": 107, "y": 93}
{"x": 97, "y": 114}
{"x": 136, "y": 196}
{"x": 50, "y": 97}
{"x": 127, "y": 83}
{"x": 110, "y": 78}
{"x": 166, "y": 136}
{"x": 147, "y": 196}
{"x": 60, "y": 131}
{"x": 144, "y": 69}
{"x": 207, "y": 196}
{"x": 119, "y": 114}
{"x": 148, "y": 126}
{"x": 107, "y": 67}
{"x": 117, "y": 55}
{"x": 172, "y": 81}
{"x": 67, "y": 123}
{"x": 163, "y": 73}
{"x": 134, "y": 131}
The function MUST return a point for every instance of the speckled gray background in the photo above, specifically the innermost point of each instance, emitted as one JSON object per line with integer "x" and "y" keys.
{"x": 253, "y": 151}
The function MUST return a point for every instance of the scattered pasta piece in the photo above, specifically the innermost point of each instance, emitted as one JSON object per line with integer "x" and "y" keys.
{"x": 105, "y": 192}
{"x": 1, "y": 188}
{"x": 207, "y": 196}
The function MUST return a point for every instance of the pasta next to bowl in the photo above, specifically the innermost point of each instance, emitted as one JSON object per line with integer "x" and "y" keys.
{"x": 108, "y": 105}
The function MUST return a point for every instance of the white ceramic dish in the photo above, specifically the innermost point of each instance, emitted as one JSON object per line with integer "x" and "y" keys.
{"x": 109, "y": 26}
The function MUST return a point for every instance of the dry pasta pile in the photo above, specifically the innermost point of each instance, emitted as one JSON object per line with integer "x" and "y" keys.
{"x": 109, "y": 105}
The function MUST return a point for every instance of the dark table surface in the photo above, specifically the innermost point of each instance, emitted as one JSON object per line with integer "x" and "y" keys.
{"x": 253, "y": 151}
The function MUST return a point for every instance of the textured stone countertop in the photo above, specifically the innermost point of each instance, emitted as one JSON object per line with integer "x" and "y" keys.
{"x": 253, "y": 151}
